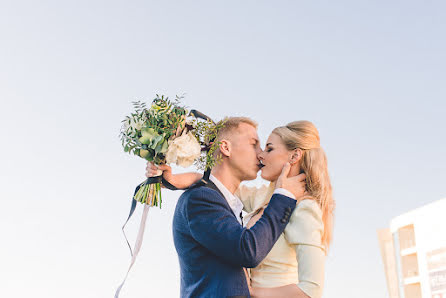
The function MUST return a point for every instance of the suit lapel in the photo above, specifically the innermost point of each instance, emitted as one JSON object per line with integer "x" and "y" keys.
{"x": 211, "y": 185}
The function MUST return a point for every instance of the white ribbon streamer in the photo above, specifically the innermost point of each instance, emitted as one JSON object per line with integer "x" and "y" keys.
{"x": 137, "y": 246}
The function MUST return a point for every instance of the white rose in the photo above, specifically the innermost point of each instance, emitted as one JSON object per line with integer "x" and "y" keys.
{"x": 183, "y": 150}
{"x": 171, "y": 154}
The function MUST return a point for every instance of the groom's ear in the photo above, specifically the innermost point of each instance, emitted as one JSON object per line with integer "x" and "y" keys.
{"x": 225, "y": 148}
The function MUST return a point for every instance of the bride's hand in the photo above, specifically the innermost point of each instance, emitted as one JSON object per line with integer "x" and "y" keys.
{"x": 153, "y": 170}
{"x": 295, "y": 184}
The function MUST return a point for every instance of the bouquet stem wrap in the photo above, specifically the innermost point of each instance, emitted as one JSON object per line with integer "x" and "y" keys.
{"x": 149, "y": 191}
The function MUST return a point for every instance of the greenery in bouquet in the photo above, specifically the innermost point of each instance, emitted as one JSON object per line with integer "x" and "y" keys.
{"x": 166, "y": 132}
{"x": 206, "y": 132}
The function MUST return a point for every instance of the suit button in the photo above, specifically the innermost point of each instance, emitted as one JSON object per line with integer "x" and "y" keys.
{"x": 287, "y": 213}
{"x": 288, "y": 209}
{"x": 283, "y": 220}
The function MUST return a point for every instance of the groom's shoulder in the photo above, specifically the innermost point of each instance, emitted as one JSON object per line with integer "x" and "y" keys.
{"x": 200, "y": 191}
{"x": 201, "y": 199}
{"x": 199, "y": 195}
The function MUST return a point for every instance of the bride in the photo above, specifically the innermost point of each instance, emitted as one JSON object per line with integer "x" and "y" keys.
{"x": 295, "y": 265}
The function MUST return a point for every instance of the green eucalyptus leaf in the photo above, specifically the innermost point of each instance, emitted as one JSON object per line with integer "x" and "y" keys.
{"x": 164, "y": 147}
{"x": 155, "y": 141}
{"x": 145, "y": 139}
{"x": 148, "y": 134}
{"x": 143, "y": 153}
{"x": 161, "y": 147}
{"x": 148, "y": 131}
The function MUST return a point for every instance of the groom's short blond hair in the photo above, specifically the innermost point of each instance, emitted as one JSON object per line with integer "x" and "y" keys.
{"x": 231, "y": 124}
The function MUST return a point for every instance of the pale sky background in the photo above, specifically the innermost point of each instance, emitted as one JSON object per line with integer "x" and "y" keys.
{"x": 370, "y": 74}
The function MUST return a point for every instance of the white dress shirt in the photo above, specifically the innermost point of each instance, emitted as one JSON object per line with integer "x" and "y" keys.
{"x": 233, "y": 201}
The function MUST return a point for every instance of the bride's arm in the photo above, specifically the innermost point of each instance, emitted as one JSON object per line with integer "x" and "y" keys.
{"x": 304, "y": 232}
{"x": 183, "y": 180}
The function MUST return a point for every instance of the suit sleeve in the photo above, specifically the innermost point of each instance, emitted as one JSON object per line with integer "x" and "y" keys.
{"x": 214, "y": 226}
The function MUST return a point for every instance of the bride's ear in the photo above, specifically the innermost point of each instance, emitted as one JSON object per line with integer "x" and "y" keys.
{"x": 296, "y": 156}
{"x": 225, "y": 148}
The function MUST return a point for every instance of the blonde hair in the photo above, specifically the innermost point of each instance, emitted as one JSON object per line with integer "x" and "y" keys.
{"x": 230, "y": 124}
{"x": 305, "y": 136}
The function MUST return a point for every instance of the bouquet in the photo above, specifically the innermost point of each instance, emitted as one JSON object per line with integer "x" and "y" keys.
{"x": 166, "y": 132}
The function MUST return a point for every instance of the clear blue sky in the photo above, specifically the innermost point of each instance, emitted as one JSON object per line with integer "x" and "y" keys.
{"x": 370, "y": 74}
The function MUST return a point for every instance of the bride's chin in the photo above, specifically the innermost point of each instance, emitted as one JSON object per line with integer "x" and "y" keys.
{"x": 265, "y": 176}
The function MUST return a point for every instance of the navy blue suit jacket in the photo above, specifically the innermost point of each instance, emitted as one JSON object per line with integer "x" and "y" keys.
{"x": 213, "y": 247}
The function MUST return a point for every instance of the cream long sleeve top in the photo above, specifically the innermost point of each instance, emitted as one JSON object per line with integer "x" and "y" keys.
{"x": 298, "y": 256}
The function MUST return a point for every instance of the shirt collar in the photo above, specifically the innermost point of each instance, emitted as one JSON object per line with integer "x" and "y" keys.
{"x": 234, "y": 203}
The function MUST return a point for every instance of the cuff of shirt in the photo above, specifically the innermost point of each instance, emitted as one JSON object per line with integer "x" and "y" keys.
{"x": 284, "y": 192}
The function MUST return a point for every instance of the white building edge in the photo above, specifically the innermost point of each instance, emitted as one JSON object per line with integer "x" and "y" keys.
{"x": 414, "y": 252}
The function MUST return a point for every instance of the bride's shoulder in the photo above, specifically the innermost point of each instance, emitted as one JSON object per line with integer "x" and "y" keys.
{"x": 307, "y": 211}
{"x": 308, "y": 205}
{"x": 306, "y": 225}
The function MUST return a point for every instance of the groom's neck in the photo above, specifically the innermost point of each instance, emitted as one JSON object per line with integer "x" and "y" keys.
{"x": 224, "y": 174}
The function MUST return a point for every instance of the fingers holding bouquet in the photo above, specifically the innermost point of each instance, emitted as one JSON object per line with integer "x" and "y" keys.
{"x": 153, "y": 170}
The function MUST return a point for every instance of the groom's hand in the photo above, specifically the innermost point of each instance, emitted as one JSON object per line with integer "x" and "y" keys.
{"x": 295, "y": 184}
{"x": 153, "y": 170}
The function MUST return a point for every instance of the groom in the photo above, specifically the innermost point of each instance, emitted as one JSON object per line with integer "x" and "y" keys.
{"x": 212, "y": 245}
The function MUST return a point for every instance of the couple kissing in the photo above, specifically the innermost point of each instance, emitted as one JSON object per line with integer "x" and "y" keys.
{"x": 278, "y": 248}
